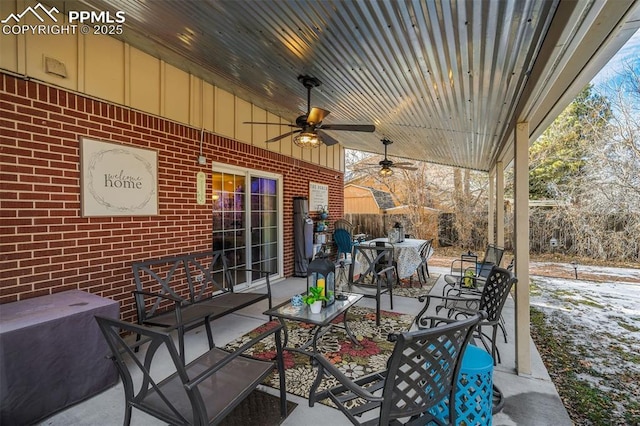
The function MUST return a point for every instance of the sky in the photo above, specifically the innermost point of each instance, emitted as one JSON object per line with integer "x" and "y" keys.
{"x": 628, "y": 54}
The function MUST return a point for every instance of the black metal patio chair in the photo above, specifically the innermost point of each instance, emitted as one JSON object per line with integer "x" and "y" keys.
{"x": 468, "y": 266}
{"x": 474, "y": 291}
{"x": 492, "y": 299}
{"x": 421, "y": 375}
{"x": 372, "y": 273}
{"x": 426, "y": 251}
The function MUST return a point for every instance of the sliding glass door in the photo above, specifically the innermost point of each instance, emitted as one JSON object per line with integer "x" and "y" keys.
{"x": 264, "y": 224}
{"x": 247, "y": 220}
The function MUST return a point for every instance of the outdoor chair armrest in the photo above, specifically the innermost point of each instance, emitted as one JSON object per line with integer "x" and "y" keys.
{"x": 426, "y": 299}
{"x": 473, "y": 293}
{"x": 233, "y": 355}
{"x": 138, "y": 296}
{"x": 464, "y": 259}
{"x": 430, "y": 321}
{"x": 453, "y": 269}
{"x": 436, "y": 321}
{"x": 325, "y": 367}
{"x": 385, "y": 270}
{"x": 457, "y": 282}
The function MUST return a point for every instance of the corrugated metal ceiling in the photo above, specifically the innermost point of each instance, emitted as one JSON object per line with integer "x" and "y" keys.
{"x": 442, "y": 79}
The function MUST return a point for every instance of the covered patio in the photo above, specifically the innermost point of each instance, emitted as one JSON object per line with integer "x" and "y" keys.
{"x": 529, "y": 399}
{"x": 464, "y": 84}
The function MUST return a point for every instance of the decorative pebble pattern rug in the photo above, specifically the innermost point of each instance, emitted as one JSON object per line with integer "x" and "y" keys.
{"x": 354, "y": 360}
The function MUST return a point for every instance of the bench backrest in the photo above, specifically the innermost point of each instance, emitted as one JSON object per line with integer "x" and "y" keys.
{"x": 190, "y": 277}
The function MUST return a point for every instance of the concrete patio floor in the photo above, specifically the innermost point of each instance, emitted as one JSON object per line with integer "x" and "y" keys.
{"x": 529, "y": 400}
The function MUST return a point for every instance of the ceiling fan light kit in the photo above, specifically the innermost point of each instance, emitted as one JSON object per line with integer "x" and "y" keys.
{"x": 385, "y": 172}
{"x": 307, "y": 140}
{"x": 310, "y": 124}
{"x": 386, "y": 165}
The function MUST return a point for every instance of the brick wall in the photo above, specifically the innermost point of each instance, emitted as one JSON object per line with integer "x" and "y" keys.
{"x": 47, "y": 247}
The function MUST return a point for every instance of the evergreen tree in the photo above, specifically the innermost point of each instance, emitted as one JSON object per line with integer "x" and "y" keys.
{"x": 558, "y": 157}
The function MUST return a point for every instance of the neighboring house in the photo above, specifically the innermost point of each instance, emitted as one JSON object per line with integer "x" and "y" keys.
{"x": 374, "y": 212}
{"x": 365, "y": 199}
{"x": 430, "y": 185}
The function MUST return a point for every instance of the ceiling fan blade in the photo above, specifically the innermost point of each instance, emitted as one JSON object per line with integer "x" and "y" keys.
{"x": 316, "y": 115}
{"x": 275, "y": 124}
{"x": 404, "y": 167}
{"x": 403, "y": 164}
{"x": 326, "y": 139}
{"x": 282, "y": 136}
{"x": 350, "y": 127}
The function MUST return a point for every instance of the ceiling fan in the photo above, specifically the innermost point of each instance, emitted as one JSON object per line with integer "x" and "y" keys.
{"x": 310, "y": 127}
{"x": 387, "y": 165}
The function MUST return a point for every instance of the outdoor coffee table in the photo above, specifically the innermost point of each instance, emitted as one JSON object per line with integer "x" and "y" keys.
{"x": 322, "y": 321}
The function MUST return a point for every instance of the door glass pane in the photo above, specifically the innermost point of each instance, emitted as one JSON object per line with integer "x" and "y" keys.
{"x": 264, "y": 232}
{"x": 229, "y": 219}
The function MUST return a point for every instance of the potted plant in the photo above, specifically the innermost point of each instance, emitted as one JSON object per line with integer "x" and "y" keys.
{"x": 323, "y": 211}
{"x": 314, "y": 299}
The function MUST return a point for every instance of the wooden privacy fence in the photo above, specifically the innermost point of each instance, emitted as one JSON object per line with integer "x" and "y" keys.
{"x": 613, "y": 237}
{"x": 378, "y": 225}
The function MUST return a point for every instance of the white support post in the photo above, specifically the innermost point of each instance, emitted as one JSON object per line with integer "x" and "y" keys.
{"x": 500, "y": 204}
{"x": 521, "y": 234}
{"x": 492, "y": 204}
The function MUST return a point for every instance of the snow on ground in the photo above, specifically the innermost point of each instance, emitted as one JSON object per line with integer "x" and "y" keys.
{"x": 614, "y": 274}
{"x": 595, "y": 300}
{"x": 602, "y": 320}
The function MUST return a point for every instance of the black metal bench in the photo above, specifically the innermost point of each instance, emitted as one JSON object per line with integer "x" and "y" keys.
{"x": 187, "y": 291}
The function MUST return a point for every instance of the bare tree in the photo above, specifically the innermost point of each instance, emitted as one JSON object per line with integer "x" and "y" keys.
{"x": 599, "y": 212}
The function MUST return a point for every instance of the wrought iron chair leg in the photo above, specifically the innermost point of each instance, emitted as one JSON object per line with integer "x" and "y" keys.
{"x": 127, "y": 415}
{"x": 502, "y": 327}
{"x": 498, "y": 400}
{"x": 207, "y": 327}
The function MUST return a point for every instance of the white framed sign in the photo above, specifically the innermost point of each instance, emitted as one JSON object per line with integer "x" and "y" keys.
{"x": 318, "y": 196}
{"x": 118, "y": 180}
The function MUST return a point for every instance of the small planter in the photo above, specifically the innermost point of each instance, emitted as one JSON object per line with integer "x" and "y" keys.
{"x": 316, "y": 307}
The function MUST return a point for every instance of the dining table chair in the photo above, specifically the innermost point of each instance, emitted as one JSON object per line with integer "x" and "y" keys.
{"x": 344, "y": 241}
{"x": 372, "y": 273}
{"x": 426, "y": 251}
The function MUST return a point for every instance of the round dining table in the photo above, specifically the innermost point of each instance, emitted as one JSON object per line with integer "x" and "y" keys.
{"x": 405, "y": 253}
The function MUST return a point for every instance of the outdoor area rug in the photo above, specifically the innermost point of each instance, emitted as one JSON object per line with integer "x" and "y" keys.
{"x": 412, "y": 288}
{"x": 259, "y": 408}
{"x": 354, "y": 360}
